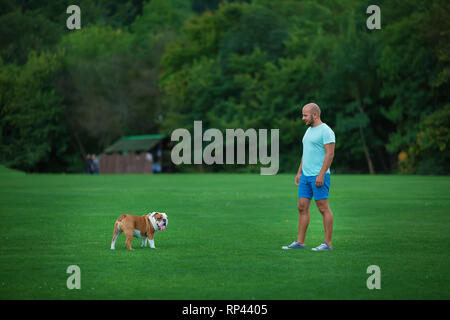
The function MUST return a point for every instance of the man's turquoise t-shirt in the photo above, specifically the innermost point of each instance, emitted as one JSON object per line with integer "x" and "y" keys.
{"x": 313, "y": 149}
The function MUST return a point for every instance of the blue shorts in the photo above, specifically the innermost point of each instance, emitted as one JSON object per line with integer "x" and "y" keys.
{"x": 307, "y": 187}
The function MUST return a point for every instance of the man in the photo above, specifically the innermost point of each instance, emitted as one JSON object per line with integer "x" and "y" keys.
{"x": 313, "y": 176}
{"x": 95, "y": 164}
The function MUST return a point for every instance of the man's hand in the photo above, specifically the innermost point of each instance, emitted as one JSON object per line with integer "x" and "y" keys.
{"x": 320, "y": 179}
{"x": 297, "y": 179}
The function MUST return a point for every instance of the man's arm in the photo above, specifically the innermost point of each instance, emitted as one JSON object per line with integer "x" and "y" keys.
{"x": 329, "y": 155}
{"x": 299, "y": 173}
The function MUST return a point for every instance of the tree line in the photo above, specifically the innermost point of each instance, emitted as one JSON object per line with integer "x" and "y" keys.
{"x": 139, "y": 67}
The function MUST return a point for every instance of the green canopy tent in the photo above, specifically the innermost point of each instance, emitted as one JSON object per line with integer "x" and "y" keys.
{"x": 131, "y": 154}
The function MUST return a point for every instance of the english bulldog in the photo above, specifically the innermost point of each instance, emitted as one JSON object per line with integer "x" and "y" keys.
{"x": 143, "y": 227}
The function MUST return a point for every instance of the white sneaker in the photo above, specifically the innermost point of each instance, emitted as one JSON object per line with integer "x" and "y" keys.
{"x": 323, "y": 247}
{"x": 294, "y": 245}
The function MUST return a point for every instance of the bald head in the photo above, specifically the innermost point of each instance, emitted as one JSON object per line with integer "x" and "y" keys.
{"x": 311, "y": 114}
{"x": 312, "y": 108}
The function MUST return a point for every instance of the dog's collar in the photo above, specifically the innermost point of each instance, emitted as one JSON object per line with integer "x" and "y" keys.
{"x": 153, "y": 221}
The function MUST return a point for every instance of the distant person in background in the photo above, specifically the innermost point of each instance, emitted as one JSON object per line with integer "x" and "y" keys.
{"x": 158, "y": 167}
{"x": 87, "y": 164}
{"x": 95, "y": 164}
{"x": 150, "y": 159}
{"x": 155, "y": 165}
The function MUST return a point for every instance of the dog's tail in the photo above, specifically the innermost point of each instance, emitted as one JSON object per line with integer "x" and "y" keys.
{"x": 121, "y": 217}
{"x": 117, "y": 225}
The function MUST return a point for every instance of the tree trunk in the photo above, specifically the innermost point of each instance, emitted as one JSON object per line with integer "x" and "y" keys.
{"x": 366, "y": 151}
{"x": 361, "y": 132}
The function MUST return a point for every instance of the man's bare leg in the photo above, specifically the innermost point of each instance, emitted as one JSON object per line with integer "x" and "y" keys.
{"x": 303, "y": 220}
{"x": 327, "y": 216}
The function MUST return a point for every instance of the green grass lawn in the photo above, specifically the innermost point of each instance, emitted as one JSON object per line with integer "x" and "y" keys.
{"x": 224, "y": 237}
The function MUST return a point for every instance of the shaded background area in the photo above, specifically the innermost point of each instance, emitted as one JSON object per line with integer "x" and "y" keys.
{"x": 149, "y": 67}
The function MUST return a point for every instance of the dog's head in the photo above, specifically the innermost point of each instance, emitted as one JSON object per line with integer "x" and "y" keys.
{"x": 161, "y": 220}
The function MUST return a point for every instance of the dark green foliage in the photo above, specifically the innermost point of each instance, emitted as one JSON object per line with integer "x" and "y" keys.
{"x": 141, "y": 67}
{"x": 35, "y": 136}
{"x": 20, "y": 33}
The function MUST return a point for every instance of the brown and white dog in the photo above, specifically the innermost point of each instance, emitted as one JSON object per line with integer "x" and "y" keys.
{"x": 143, "y": 227}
